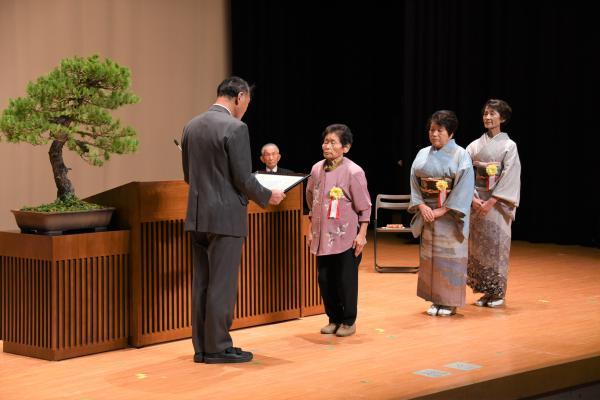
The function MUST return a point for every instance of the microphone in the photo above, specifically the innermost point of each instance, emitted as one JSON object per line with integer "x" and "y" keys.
{"x": 177, "y": 144}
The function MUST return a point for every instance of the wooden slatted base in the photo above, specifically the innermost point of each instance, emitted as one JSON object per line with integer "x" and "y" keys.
{"x": 312, "y": 303}
{"x": 165, "y": 288}
{"x": 277, "y": 278}
{"x": 64, "y": 296}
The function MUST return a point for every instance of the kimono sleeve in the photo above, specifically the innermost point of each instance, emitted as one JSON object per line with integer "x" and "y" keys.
{"x": 508, "y": 187}
{"x": 461, "y": 195}
{"x": 416, "y": 199}
{"x": 459, "y": 200}
{"x": 416, "y": 196}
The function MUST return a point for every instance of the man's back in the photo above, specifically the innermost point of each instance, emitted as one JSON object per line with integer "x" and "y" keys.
{"x": 217, "y": 165}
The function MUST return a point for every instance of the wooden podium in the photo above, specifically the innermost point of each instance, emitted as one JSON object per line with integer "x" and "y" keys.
{"x": 277, "y": 278}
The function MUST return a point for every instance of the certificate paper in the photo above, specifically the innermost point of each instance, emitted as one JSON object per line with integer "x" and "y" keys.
{"x": 281, "y": 182}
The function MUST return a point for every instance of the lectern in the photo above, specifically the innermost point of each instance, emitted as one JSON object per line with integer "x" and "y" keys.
{"x": 277, "y": 278}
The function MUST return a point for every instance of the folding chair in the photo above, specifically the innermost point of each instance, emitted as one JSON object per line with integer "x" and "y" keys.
{"x": 397, "y": 202}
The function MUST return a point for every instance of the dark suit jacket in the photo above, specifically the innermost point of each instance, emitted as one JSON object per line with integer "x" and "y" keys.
{"x": 217, "y": 166}
{"x": 280, "y": 171}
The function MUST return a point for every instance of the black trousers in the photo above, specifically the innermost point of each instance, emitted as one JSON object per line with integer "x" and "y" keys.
{"x": 216, "y": 269}
{"x": 338, "y": 281}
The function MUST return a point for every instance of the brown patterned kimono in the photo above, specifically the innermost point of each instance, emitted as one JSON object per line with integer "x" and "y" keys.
{"x": 490, "y": 235}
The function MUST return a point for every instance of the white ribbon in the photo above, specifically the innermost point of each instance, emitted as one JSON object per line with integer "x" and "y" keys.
{"x": 334, "y": 209}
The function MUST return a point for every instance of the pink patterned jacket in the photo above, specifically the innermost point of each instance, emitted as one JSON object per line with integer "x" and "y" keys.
{"x": 336, "y": 235}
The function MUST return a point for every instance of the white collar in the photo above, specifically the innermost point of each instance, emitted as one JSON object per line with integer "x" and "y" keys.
{"x": 271, "y": 170}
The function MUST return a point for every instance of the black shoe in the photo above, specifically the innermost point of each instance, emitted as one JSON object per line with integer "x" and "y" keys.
{"x": 198, "y": 357}
{"x": 229, "y": 355}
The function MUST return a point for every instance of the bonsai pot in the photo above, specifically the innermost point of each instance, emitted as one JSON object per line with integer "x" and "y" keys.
{"x": 59, "y": 222}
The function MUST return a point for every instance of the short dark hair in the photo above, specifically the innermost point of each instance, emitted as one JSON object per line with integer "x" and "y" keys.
{"x": 501, "y": 106}
{"x": 342, "y": 131}
{"x": 233, "y": 86}
{"x": 445, "y": 118}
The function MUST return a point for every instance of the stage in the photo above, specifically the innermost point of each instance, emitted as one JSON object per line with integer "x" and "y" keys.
{"x": 547, "y": 338}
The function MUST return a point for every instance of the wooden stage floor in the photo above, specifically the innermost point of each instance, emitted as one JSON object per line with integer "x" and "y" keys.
{"x": 547, "y": 338}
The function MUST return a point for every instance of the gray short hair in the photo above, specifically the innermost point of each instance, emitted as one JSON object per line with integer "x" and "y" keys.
{"x": 262, "y": 150}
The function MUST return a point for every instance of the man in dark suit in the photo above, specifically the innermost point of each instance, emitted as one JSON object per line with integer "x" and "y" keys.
{"x": 217, "y": 165}
{"x": 270, "y": 156}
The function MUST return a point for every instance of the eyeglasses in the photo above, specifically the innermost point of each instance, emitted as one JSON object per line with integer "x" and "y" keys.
{"x": 331, "y": 143}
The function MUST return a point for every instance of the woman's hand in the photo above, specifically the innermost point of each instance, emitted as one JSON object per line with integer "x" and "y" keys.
{"x": 476, "y": 203}
{"x": 359, "y": 243}
{"x": 361, "y": 238}
{"x": 309, "y": 235}
{"x": 487, "y": 205}
{"x": 438, "y": 212}
{"x": 427, "y": 213}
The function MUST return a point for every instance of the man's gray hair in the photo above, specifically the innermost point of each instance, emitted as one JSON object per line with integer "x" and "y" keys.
{"x": 262, "y": 150}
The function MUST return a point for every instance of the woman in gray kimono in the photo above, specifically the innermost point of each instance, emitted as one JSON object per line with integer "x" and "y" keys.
{"x": 495, "y": 200}
{"x": 441, "y": 183}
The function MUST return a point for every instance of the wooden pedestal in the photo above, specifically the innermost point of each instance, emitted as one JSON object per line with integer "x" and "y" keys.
{"x": 64, "y": 296}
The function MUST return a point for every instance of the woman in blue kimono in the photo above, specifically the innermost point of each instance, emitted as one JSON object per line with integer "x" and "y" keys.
{"x": 442, "y": 185}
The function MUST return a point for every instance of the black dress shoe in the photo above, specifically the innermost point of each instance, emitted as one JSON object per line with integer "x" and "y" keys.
{"x": 229, "y": 355}
{"x": 198, "y": 357}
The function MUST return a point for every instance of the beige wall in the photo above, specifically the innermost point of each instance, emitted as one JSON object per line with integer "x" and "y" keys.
{"x": 177, "y": 50}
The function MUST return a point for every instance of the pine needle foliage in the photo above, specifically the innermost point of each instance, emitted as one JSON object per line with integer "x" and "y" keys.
{"x": 70, "y": 107}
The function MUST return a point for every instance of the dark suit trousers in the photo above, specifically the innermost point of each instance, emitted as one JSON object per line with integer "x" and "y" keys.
{"x": 214, "y": 289}
{"x": 338, "y": 281}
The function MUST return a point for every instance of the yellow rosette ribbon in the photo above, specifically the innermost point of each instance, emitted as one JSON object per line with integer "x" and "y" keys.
{"x": 335, "y": 194}
{"x": 491, "y": 170}
{"x": 442, "y": 186}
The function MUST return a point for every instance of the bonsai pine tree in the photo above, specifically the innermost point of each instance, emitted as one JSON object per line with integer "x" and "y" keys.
{"x": 70, "y": 107}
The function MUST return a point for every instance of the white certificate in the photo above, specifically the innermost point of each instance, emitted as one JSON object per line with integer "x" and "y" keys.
{"x": 281, "y": 182}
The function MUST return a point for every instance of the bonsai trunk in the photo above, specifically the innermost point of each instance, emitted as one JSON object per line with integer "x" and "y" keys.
{"x": 60, "y": 170}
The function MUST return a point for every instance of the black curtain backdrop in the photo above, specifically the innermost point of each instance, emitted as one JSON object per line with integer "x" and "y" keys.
{"x": 383, "y": 67}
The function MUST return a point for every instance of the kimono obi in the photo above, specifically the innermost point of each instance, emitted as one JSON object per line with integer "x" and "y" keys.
{"x": 431, "y": 187}
{"x": 486, "y": 174}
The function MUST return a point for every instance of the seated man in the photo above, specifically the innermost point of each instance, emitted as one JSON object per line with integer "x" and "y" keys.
{"x": 269, "y": 155}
